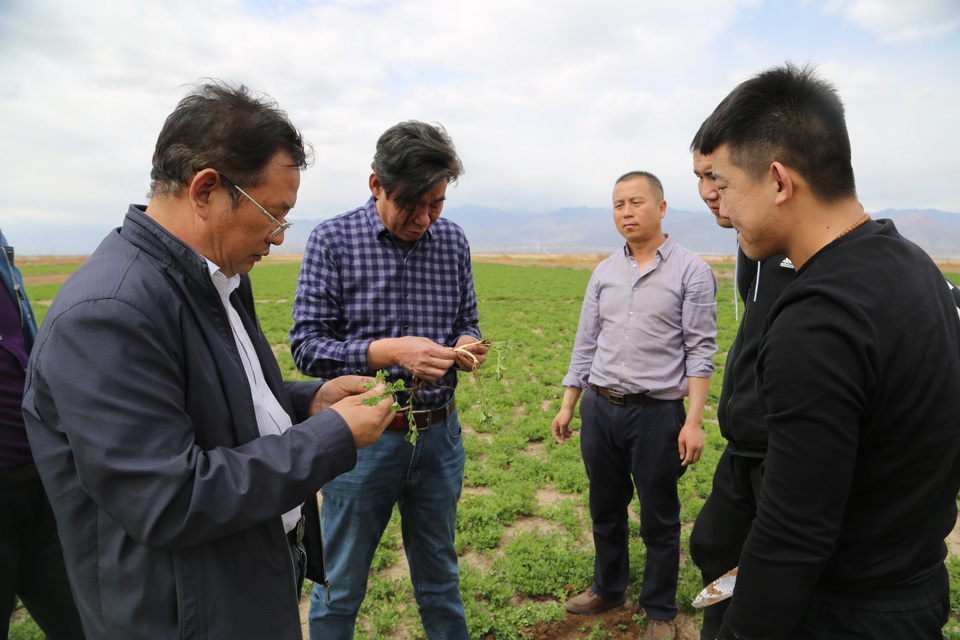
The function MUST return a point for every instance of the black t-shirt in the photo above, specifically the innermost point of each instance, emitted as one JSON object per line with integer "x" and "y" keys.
{"x": 859, "y": 373}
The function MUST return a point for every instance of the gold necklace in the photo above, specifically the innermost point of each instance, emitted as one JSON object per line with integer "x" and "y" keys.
{"x": 856, "y": 224}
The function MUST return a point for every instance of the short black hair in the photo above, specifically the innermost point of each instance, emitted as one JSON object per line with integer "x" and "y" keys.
{"x": 227, "y": 128}
{"x": 785, "y": 114}
{"x": 413, "y": 157}
{"x": 653, "y": 180}
{"x": 696, "y": 143}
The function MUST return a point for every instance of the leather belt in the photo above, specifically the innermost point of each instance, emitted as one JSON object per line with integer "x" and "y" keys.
{"x": 616, "y": 397}
{"x": 295, "y": 535}
{"x": 17, "y": 475}
{"x": 423, "y": 419}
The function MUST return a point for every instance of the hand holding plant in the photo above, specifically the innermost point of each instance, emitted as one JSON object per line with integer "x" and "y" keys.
{"x": 367, "y": 413}
{"x": 390, "y": 388}
{"x": 470, "y": 353}
{"x": 335, "y": 390}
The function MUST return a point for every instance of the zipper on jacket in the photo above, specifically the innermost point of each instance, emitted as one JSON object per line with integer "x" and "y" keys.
{"x": 22, "y": 302}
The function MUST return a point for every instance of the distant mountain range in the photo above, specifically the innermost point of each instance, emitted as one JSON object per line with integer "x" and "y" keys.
{"x": 568, "y": 230}
{"x": 591, "y": 230}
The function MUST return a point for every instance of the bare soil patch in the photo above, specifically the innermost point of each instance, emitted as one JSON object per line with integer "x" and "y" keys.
{"x": 623, "y": 622}
{"x": 527, "y": 524}
{"x": 549, "y": 496}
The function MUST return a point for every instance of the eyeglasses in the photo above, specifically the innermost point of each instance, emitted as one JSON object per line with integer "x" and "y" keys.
{"x": 281, "y": 226}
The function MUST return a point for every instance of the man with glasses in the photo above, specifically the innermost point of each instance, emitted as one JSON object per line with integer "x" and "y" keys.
{"x": 175, "y": 456}
{"x": 281, "y": 226}
{"x": 389, "y": 286}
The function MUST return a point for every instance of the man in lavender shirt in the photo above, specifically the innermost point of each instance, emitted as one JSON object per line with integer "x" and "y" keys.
{"x": 646, "y": 339}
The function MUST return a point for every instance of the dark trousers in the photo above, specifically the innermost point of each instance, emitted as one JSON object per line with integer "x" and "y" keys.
{"x": 917, "y": 613}
{"x": 722, "y": 526}
{"x": 622, "y": 446}
{"x": 31, "y": 562}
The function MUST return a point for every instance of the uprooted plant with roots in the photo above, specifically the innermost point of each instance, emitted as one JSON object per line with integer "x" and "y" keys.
{"x": 394, "y": 387}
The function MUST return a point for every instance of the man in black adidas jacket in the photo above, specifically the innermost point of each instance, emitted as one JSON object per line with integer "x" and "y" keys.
{"x": 724, "y": 521}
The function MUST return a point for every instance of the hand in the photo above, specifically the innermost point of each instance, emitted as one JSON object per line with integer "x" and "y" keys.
{"x": 366, "y": 423}
{"x": 474, "y": 346}
{"x": 690, "y": 443}
{"x": 333, "y": 391}
{"x": 561, "y": 425}
{"x": 423, "y": 357}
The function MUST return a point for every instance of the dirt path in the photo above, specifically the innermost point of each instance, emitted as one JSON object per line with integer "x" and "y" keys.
{"x": 45, "y": 278}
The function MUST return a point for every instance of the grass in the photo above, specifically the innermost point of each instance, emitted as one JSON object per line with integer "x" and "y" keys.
{"x": 46, "y": 269}
{"x": 523, "y": 532}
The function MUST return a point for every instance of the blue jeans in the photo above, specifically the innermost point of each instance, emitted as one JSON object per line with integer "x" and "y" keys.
{"x": 425, "y": 482}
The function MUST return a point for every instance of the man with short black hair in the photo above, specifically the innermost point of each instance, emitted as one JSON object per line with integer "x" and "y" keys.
{"x": 389, "y": 286}
{"x": 646, "y": 339}
{"x": 858, "y": 375}
{"x": 175, "y": 456}
{"x": 728, "y": 512}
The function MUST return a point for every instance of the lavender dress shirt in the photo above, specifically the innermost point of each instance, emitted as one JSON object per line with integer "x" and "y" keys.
{"x": 647, "y": 332}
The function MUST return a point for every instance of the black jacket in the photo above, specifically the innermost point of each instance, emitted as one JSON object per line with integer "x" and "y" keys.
{"x": 143, "y": 428}
{"x": 741, "y": 421}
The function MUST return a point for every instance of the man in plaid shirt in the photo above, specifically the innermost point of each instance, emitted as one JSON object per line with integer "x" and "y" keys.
{"x": 389, "y": 286}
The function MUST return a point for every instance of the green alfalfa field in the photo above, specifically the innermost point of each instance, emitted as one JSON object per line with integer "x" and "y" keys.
{"x": 523, "y": 530}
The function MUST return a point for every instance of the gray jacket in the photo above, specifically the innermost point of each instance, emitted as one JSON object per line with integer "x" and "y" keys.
{"x": 143, "y": 429}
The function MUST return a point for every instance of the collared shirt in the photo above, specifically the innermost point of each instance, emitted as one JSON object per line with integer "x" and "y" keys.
{"x": 647, "y": 332}
{"x": 271, "y": 418}
{"x": 359, "y": 284}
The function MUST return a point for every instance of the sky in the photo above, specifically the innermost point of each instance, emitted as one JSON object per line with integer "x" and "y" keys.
{"x": 547, "y": 101}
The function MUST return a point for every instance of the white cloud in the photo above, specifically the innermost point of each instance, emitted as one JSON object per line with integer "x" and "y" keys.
{"x": 896, "y": 21}
{"x": 548, "y": 101}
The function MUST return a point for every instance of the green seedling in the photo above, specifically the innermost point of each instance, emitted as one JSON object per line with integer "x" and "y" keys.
{"x": 391, "y": 388}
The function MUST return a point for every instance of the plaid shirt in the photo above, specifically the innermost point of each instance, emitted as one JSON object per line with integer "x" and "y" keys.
{"x": 358, "y": 284}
